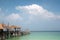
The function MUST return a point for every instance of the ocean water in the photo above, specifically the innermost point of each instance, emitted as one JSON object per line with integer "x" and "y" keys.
{"x": 39, "y": 36}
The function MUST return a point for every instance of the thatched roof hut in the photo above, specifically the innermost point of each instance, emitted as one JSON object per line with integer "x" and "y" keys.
{"x": 5, "y": 27}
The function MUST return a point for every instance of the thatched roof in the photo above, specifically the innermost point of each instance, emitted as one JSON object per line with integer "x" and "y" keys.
{"x": 1, "y": 26}
{"x": 14, "y": 27}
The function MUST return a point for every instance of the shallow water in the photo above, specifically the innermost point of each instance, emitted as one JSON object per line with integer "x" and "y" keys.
{"x": 39, "y": 36}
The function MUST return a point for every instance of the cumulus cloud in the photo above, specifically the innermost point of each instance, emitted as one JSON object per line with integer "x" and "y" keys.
{"x": 13, "y": 17}
{"x": 39, "y": 18}
{"x": 37, "y": 10}
{"x": 34, "y": 16}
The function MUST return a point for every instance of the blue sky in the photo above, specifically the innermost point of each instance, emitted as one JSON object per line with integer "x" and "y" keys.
{"x": 36, "y": 15}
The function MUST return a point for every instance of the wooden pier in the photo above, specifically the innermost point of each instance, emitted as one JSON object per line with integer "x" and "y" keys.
{"x": 8, "y": 31}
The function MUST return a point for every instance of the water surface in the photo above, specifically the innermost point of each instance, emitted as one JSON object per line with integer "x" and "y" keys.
{"x": 39, "y": 36}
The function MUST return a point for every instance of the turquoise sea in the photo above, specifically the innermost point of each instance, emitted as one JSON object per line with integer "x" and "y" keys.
{"x": 39, "y": 36}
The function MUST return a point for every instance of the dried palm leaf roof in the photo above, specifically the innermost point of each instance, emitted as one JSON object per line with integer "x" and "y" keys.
{"x": 14, "y": 27}
{"x": 1, "y": 26}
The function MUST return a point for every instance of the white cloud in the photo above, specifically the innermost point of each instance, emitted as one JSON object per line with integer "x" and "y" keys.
{"x": 2, "y": 15}
{"x": 35, "y": 16}
{"x": 37, "y": 10}
{"x": 14, "y": 17}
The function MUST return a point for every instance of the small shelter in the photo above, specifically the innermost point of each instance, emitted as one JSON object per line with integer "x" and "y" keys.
{"x": 15, "y": 30}
{"x": 2, "y": 35}
{"x": 7, "y": 31}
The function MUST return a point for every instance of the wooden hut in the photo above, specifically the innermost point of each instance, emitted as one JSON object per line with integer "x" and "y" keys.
{"x": 15, "y": 30}
{"x": 7, "y": 31}
{"x": 2, "y": 35}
